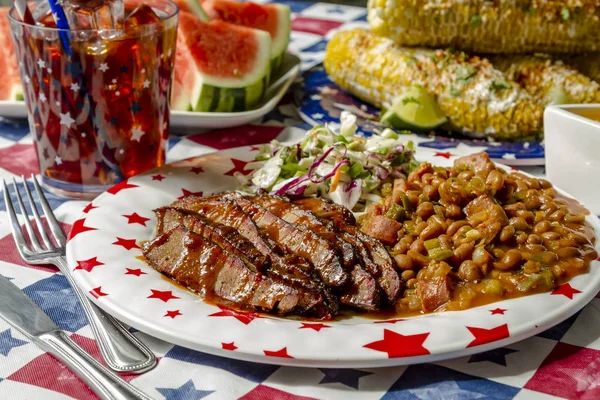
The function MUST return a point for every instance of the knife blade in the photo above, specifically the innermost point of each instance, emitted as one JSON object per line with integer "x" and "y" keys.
{"x": 21, "y": 312}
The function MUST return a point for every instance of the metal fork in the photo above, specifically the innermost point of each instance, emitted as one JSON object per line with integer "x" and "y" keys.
{"x": 122, "y": 351}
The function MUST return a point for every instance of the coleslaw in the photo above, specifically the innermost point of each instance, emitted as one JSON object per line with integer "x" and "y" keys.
{"x": 350, "y": 170}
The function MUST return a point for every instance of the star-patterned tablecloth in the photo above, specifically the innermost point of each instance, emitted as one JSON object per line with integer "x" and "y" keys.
{"x": 563, "y": 362}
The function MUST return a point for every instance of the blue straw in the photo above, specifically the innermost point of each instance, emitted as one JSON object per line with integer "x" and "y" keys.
{"x": 61, "y": 22}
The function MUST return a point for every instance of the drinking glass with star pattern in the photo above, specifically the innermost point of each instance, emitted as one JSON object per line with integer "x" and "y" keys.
{"x": 98, "y": 102}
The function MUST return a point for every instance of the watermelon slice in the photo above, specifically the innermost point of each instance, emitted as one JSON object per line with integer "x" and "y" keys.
{"x": 273, "y": 18}
{"x": 232, "y": 64}
{"x": 10, "y": 84}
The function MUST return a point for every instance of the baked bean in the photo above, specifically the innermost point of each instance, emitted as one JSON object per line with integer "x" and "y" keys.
{"x": 511, "y": 260}
{"x": 576, "y": 218}
{"x": 549, "y": 193}
{"x": 448, "y": 194}
{"x": 425, "y": 210}
{"x": 411, "y": 283}
{"x": 532, "y": 200}
{"x": 403, "y": 262}
{"x": 431, "y": 192}
{"x": 413, "y": 196}
{"x": 408, "y": 274}
{"x": 550, "y": 235}
{"x": 568, "y": 252}
{"x": 420, "y": 227}
{"x": 469, "y": 271}
{"x": 498, "y": 252}
{"x": 521, "y": 237}
{"x": 427, "y": 178}
{"x": 418, "y": 246}
{"x": 531, "y": 267}
{"x": 534, "y": 239}
{"x": 445, "y": 241}
{"x": 545, "y": 257}
{"x": 507, "y": 233}
{"x": 403, "y": 245}
{"x": 455, "y": 226}
{"x": 527, "y": 215}
{"x": 567, "y": 243}
{"x": 418, "y": 258}
{"x": 453, "y": 211}
{"x": 556, "y": 216}
{"x": 466, "y": 176}
{"x": 535, "y": 248}
{"x": 541, "y": 227}
{"x": 580, "y": 239}
{"x": 544, "y": 184}
{"x": 495, "y": 181}
{"x": 518, "y": 223}
{"x": 481, "y": 257}
{"x": 462, "y": 253}
{"x": 549, "y": 207}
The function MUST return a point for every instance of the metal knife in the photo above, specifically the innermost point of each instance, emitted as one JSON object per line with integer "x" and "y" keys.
{"x": 22, "y": 313}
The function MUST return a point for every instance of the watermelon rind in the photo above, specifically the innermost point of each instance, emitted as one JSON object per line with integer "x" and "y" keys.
{"x": 195, "y": 7}
{"x": 281, "y": 38}
{"x": 240, "y": 93}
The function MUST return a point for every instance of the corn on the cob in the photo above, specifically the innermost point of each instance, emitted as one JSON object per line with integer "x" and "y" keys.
{"x": 544, "y": 79}
{"x": 484, "y": 26}
{"x": 477, "y": 99}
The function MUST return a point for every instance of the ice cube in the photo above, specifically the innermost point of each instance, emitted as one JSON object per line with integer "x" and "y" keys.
{"x": 94, "y": 14}
{"x": 142, "y": 15}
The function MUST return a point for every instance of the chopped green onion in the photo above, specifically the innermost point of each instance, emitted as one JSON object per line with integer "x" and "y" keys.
{"x": 432, "y": 244}
{"x": 386, "y": 189}
{"x": 439, "y": 212}
{"x": 410, "y": 227}
{"x": 355, "y": 170}
{"x": 440, "y": 254}
{"x": 395, "y": 212}
{"x": 475, "y": 21}
{"x": 406, "y": 202}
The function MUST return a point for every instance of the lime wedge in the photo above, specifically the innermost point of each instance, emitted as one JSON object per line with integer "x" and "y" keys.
{"x": 557, "y": 95}
{"x": 414, "y": 110}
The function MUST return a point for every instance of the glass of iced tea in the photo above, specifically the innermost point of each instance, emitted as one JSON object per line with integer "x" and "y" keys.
{"x": 98, "y": 95}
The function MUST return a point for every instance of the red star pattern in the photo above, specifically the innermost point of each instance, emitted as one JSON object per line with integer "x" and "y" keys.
{"x": 164, "y": 295}
{"x": 498, "y": 311}
{"x": 135, "y": 218}
{"x": 389, "y": 321}
{"x": 127, "y": 243}
{"x": 172, "y": 314}
{"x": 79, "y": 227}
{"x": 238, "y": 166}
{"x": 136, "y": 272}
{"x": 243, "y": 317}
{"x": 97, "y": 292}
{"x": 121, "y": 186}
{"x": 483, "y": 336}
{"x": 566, "y": 290}
{"x": 316, "y": 327}
{"x": 398, "y": 345}
{"x": 279, "y": 353}
{"x": 196, "y": 170}
{"x": 158, "y": 177}
{"x": 188, "y": 193}
{"x": 229, "y": 346}
{"x": 89, "y": 208}
{"x": 444, "y": 154}
{"x": 88, "y": 265}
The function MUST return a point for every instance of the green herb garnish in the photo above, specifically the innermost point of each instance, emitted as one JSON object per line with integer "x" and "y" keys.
{"x": 465, "y": 72}
{"x": 499, "y": 84}
{"x": 454, "y": 91}
{"x": 475, "y": 21}
{"x": 565, "y": 14}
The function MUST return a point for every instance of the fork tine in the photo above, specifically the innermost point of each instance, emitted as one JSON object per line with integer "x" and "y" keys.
{"x": 36, "y": 216}
{"x": 30, "y": 232}
{"x": 14, "y": 221}
{"x": 50, "y": 218}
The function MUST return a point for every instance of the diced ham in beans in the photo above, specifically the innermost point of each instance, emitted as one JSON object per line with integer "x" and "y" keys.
{"x": 434, "y": 292}
{"x": 382, "y": 228}
{"x": 477, "y": 161}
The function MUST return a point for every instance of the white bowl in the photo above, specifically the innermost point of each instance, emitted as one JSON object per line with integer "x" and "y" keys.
{"x": 572, "y": 141}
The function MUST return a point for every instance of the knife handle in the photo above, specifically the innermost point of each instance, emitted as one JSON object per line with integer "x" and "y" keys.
{"x": 102, "y": 381}
{"x": 121, "y": 350}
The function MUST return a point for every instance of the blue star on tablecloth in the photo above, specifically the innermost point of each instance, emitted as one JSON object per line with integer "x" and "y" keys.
{"x": 497, "y": 356}
{"x": 348, "y": 377}
{"x": 135, "y": 107}
{"x": 187, "y": 391}
{"x": 8, "y": 342}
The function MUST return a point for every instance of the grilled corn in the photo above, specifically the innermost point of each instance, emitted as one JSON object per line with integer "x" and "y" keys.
{"x": 587, "y": 63}
{"x": 546, "y": 80}
{"x": 484, "y": 26}
{"x": 477, "y": 99}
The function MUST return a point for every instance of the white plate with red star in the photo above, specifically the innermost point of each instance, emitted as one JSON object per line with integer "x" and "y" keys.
{"x": 184, "y": 121}
{"x": 103, "y": 252}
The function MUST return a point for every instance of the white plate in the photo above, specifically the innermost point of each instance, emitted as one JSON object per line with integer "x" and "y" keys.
{"x": 184, "y": 121}
{"x": 105, "y": 268}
